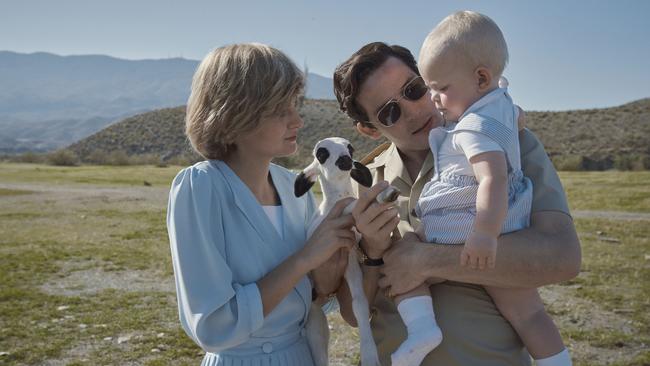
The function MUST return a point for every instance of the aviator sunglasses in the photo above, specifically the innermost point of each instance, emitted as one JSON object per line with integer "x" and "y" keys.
{"x": 390, "y": 112}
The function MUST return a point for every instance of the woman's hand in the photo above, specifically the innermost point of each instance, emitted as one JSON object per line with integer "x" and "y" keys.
{"x": 375, "y": 221}
{"x": 332, "y": 234}
{"x": 328, "y": 276}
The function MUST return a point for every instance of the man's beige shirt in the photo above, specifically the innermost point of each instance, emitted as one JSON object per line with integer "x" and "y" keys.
{"x": 474, "y": 332}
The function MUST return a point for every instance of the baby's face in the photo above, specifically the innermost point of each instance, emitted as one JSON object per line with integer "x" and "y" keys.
{"x": 454, "y": 88}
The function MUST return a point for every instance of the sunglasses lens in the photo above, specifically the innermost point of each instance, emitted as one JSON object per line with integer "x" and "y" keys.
{"x": 389, "y": 114}
{"x": 415, "y": 90}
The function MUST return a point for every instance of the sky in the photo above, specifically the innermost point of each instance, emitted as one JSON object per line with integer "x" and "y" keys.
{"x": 563, "y": 54}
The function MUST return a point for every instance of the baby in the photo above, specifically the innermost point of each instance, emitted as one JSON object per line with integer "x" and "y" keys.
{"x": 478, "y": 190}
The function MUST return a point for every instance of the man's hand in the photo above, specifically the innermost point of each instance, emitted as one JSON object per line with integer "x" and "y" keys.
{"x": 375, "y": 221}
{"x": 403, "y": 269}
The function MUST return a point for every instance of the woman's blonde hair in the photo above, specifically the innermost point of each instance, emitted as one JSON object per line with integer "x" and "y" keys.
{"x": 232, "y": 88}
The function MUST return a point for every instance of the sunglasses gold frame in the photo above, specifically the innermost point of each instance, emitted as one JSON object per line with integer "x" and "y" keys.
{"x": 399, "y": 98}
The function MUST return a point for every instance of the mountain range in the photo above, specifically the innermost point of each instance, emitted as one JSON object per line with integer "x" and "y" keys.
{"x": 48, "y": 101}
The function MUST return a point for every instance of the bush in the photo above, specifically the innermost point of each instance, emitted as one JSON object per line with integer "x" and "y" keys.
{"x": 568, "y": 162}
{"x": 631, "y": 162}
{"x": 184, "y": 159}
{"x": 98, "y": 157}
{"x": 63, "y": 157}
{"x": 30, "y": 158}
{"x": 146, "y": 159}
{"x": 118, "y": 157}
{"x": 290, "y": 162}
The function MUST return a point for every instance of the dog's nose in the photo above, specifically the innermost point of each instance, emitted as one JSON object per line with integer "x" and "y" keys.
{"x": 344, "y": 162}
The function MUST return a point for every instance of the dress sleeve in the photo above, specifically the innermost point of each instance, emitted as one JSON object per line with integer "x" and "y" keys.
{"x": 215, "y": 312}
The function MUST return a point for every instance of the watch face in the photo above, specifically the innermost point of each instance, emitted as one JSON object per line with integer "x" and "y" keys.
{"x": 373, "y": 262}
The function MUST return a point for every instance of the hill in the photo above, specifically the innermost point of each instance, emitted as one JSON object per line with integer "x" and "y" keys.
{"x": 597, "y": 139}
{"x": 591, "y": 139}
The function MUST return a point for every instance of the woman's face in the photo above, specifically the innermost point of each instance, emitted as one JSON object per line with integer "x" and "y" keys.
{"x": 275, "y": 136}
{"x": 411, "y": 131}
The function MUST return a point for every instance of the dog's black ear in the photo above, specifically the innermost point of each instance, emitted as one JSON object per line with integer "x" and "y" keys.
{"x": 350, "y": 149}
{"x": 322, "y": 154}
{"x": 302, "y": 185}
{"x": 361, "y": 174}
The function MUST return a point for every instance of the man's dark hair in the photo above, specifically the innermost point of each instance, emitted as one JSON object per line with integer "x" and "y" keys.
{"x": 349, "y": 75}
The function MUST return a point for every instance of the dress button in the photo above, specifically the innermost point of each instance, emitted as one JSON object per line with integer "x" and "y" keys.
{"x": 267, "y": 347}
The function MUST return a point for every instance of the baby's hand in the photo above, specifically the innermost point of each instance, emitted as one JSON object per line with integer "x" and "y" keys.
{"x": 480, "y": 251}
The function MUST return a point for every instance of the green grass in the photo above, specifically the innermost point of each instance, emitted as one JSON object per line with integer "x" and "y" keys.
{"x": 616, "y": 277}
{"x": 39, "y": 243}
{"x": 51, "y": 236}
{"x": 611, "y": 190}
{"x": 87, "y": 174}
{"x": 13, "y": 192}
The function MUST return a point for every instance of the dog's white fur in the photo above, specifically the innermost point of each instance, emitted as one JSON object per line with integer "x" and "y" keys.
{"x": 336, "y": 185}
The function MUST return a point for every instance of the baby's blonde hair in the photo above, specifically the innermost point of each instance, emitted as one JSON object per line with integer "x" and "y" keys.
{"x": 232, "y": 88}
{"x": 470, "y": 36}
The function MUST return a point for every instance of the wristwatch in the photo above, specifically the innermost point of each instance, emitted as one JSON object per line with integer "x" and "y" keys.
{"x": 367, "y": 261}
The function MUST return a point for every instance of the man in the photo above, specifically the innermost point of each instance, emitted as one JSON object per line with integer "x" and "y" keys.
{"x": 370, "y": 87}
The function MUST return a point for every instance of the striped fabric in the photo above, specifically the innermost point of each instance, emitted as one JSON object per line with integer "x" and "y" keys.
{"x": 447, "y": 205}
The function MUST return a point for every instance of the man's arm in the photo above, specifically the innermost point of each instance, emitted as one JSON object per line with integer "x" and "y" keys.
{"x": 546, "y": 252}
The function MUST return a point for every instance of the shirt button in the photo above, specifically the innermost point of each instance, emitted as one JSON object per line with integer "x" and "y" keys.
{"x": 267, "y": 347}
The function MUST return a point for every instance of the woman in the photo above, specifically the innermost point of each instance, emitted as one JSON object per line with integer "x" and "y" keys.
{"x": 237, "y": 232}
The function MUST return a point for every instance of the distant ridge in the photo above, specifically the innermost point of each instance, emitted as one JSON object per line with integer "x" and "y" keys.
{"x": 49, "y": 101}
{"x": 161, "y": 133}
{"x": 596, "y": 136}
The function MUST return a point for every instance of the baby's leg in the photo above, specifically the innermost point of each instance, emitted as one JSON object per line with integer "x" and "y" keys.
{"x": 524, "y": 309}
{"x": 416, "y": 310}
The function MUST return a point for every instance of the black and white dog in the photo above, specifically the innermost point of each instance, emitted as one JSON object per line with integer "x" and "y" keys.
{"x": 333, "y": 166}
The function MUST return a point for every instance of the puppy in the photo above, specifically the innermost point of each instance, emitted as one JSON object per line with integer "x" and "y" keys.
{"x": 334, "y": 166}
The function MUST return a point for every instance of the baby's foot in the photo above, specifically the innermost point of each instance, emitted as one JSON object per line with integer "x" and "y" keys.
{"x": 417, "y": 346}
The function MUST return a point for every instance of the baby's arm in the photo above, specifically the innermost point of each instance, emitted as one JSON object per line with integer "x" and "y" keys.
{"x": 491, "y": 205}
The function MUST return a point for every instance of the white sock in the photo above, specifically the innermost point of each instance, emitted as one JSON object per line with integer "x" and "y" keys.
{"x": 423, "y": 333}
{"x": 560, "y": 359}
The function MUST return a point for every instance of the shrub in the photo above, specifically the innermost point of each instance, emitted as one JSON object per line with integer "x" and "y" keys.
{"x": 146, "y": 159}
{"x": 631, "y": 162}
{"x": 99, "y": 157}
{"x": 118, "y": 157}
{"x": 30, "y": 158}
{"x": 568, "y": 162}
{"x": 63, "y": 157}
{"x": 290, "y": 162}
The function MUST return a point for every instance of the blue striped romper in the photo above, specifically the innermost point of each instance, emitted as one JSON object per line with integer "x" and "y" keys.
{"x": 447, "y": 204}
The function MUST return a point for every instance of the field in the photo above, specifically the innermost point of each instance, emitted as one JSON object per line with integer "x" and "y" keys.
{"x": 87, "y": 279}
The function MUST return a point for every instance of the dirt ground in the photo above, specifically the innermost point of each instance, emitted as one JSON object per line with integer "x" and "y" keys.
{"x": 88, "y": 277}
